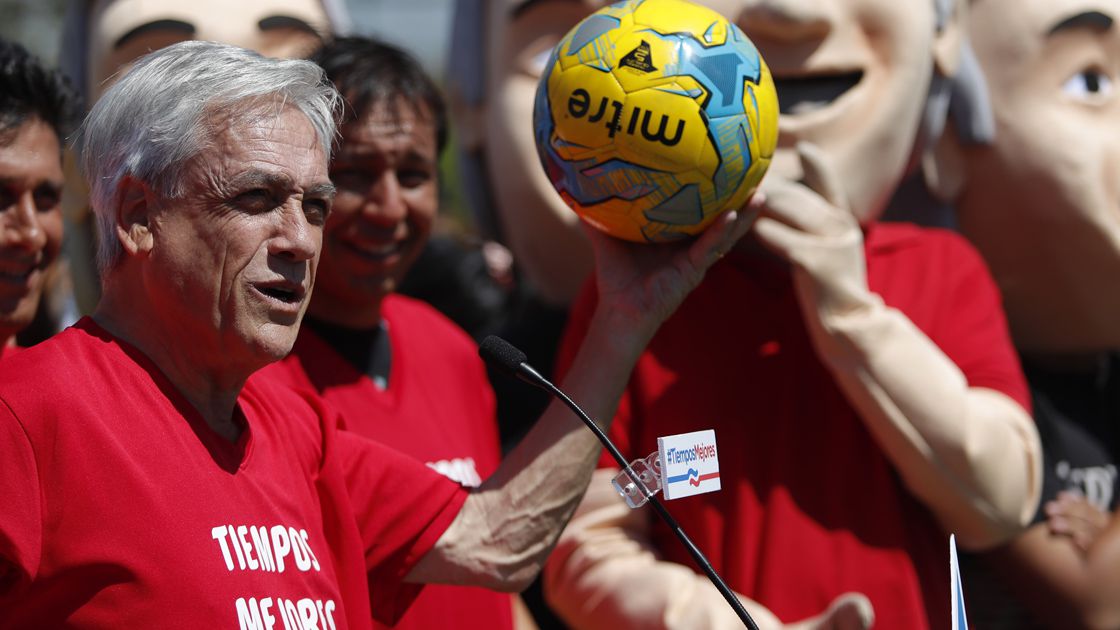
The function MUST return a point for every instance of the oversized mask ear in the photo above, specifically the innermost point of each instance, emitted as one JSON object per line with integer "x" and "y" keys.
{"x": 970, "y": 110}
{"x": 132, "y": 223}
{"x": 948, "y": 43}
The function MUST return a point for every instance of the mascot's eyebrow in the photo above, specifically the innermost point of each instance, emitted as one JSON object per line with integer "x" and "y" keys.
{"x": 178, "y": 26}
{"x": 286, "y": 21}
{"x": 1096, "y": 20}
{"x": 520, "y": 8}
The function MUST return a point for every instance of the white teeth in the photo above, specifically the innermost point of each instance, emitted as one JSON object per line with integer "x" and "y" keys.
{"x": 384, "y": 250}
{"x": 14, "y": 275}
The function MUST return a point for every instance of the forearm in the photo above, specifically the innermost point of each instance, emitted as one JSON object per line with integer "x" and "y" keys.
{"x": 508, "y": 525}
{"x": 1104, "y": 578}
{"x": 970, "y": 454}
{"x": 603, "y": 574}
{"x": 1050, "y": 577}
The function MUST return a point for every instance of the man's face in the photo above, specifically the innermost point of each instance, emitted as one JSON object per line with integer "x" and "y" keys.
{"x": 388, "y": 194}
{"x": 1043, "y": 203}
{"x": 232, "y": 263}
{"x": 123, "y": 30}
{"x": 30, "y": 220}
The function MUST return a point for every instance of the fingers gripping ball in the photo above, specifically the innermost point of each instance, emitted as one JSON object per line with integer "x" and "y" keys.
{"x": 653, "y": 117}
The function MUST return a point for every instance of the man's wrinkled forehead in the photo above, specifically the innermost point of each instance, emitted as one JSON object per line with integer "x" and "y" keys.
{"x": 116, "y": 21}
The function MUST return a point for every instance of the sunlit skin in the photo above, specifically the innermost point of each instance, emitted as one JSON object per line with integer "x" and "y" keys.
{"x": 862, "y": 67}
{"x": 30, "y": 220}
{"x": 1043, "y": 202}
{"x": 229, "y": 266}
{"x": 388, "y": 194}
{"x": 122, "y": 30}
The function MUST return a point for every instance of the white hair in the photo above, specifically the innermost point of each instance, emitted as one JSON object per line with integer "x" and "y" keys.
{"x": 158, "y": 117}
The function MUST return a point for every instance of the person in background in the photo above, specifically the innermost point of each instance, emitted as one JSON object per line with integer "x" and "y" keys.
{"x": 397, "y": 370}
{"x": 1030, "y": 169}
{"x": 37, "y": 108}
{"x": 859, "y": 375}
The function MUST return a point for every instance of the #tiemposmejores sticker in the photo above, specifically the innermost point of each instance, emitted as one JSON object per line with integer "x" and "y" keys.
{"x": 689, "y": 463}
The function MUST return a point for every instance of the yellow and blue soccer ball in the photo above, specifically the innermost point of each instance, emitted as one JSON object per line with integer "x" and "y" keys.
{"x": 653, "y": 117}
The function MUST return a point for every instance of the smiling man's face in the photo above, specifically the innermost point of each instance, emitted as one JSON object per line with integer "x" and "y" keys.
{"x": 30, "y": 219}
{"x": 1043, "y": 202}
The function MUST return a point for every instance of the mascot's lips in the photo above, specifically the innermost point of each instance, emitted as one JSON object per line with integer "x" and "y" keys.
{"x": 809, "y": 93}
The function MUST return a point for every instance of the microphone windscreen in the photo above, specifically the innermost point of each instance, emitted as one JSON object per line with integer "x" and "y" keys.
{"x": 500, "y": 352}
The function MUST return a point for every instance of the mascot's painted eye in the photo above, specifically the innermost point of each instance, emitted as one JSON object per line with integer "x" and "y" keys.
{"x": 1088, "y": 84}
{"x": 538, "y": 62}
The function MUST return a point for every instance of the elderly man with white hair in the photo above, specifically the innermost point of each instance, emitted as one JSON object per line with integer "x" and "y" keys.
{"x": 147, "y": 484}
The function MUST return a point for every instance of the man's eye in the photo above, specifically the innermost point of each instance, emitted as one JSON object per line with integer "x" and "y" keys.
{"x": 350, "y": 179}
{"x": 255, "y": 200}
{"x": 414, "y": 178}
{"x": 47, "y": 199}
{"x": 1088, "y": 84}
{"x": 316, "y": 210}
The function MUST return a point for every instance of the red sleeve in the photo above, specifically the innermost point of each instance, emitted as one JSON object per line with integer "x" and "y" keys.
{"x": 20, "y": 522}
{"x": 402, "y": 509}
{"x": 942, "y": 284}
{"x": 973, "y": 331}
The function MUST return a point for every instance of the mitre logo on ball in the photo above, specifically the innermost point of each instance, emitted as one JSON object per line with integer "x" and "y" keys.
{"x": 655, "y": 116}
{"x": 639, "y": 59}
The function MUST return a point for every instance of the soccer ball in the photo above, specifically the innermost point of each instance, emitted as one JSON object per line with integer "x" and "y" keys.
{"x": 653, "y": 117}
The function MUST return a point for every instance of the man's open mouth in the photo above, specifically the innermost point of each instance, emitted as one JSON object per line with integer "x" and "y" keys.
{"x": 283, "y": 294}
{"x": 806, "y": 94}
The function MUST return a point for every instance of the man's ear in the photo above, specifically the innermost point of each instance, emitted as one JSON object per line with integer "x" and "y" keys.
{"x": 943, "y": 166}
{"x": 948, "y": 40}
{"x": 136, "y": 202}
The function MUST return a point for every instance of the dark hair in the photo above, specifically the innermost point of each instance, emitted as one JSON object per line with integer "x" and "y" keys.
{"x": 369, "y": 73}
{"x": 30, "y": 89}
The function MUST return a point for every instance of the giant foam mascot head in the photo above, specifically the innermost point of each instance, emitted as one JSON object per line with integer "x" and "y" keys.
{"x": 103, "y": 37}
{"x": 862, "y": 79}
{"x": 1041, "y": 199}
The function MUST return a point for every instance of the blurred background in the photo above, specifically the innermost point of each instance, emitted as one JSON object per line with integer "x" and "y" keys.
{"x": 420, "y": 26}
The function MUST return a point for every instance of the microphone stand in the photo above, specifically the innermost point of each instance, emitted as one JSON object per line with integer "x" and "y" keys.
{"x": 499, "y": 351}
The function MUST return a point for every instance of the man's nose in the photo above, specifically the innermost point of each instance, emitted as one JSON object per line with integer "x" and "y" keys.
{"x": 385, "y": 201}
{"x": 296, "y": 239}
{"x": 21, "y": 224}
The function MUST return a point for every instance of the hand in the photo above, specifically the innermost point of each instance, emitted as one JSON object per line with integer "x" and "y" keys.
{"x": 1072, "y": 515}
{"x": 810, "y": 226}
{"x": 644, "y": 283}
{"x": 850, "y": 611}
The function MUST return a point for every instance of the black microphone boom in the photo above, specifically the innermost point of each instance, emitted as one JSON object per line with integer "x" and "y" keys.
{"x": 499, "y": 352}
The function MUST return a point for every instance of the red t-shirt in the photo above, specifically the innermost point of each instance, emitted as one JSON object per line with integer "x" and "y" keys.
{"x": 122, "y": 508}
{"x": 7, "y": 351}
{"x": 810, "y": 506}
{"x": 438, "y": 408}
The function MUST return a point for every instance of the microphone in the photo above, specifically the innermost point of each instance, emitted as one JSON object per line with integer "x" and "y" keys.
{"x": 502, "y": 354}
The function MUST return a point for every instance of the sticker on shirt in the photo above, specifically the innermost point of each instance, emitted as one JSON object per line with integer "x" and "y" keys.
{"x": 461, "y": 470}
{"x": 689, "y": 463}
